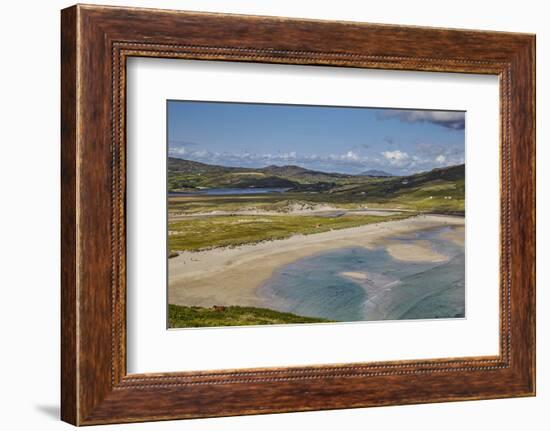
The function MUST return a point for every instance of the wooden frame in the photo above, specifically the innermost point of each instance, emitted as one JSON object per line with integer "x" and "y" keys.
{"x": 96, "y": 41}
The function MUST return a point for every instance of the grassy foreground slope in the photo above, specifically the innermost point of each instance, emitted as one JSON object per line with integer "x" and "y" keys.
{"x": 193, "y": 317}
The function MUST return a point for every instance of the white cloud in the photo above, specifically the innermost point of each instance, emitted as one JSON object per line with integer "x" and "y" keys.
{"x": 177, "y": 151}
{"x": 396, "y": 157}
{"x": 284, "y": 156}
{"x": 423, "y": 158}
{"x": 348, "y": 159}
{"x": 350, "y": 155}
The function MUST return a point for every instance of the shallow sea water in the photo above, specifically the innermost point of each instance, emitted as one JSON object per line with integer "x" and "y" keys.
{"x": 392, "y": 290}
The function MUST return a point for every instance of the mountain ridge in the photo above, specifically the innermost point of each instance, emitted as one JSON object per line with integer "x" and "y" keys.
{"x": 188, "y": 175}
{"x": 377, "y": 173}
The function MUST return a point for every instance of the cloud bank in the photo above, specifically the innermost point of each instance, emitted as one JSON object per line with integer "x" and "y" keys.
{"x": 449, "y": 119}
{"x": 422, "y": 157}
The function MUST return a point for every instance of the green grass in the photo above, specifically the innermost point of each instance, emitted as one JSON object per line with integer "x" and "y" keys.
{"x": 234, "y": 230}
{"x": 186, "y": 175}
{"x": 436, "y": 197}
{"x": 194, "y": 317}
{"x": 183, "y": 181}
{"x": 430, "y": 197}
{"x": 266, "y": 202}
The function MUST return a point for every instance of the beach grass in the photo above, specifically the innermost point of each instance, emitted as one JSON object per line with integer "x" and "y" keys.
{"x": 233, "y": 230}
{"x": 436, "y": 197}
{"x": 261, "y": 202}
{"x": 195, "y": 317}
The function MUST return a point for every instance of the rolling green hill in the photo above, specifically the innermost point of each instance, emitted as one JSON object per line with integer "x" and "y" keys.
{"x": 186, "y": 174}
{"x": 441, "y": 189}
{"x": 387, "y": 187}
{"x": 376, "y": 173}
{"x": 438, "y": 190}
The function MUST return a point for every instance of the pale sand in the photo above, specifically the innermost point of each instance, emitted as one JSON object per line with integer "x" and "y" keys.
{"x": 316, "y": 211}
{"x": 455, "y": 235}
{"x": 230, "y": 276}
{"x": 414, "y": 251}
{"x": 355, "y": 275}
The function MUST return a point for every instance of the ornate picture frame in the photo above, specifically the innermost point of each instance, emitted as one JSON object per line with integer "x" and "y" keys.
{"x": 96, "y": 41}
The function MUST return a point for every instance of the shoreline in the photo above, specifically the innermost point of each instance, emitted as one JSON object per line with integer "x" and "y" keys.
{"x": 318, "y": 211}
{"x": 231, "y": 276}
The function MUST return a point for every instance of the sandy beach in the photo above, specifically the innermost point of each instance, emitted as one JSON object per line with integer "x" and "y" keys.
{"x": 414, "y": 251}
{"x": 312, "y": 210}
{"x": 230, "y": 276}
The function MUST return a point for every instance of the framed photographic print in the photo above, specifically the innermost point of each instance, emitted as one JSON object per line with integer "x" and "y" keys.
{"x": 332, "y": 237}
{"x": 268, "y": 215}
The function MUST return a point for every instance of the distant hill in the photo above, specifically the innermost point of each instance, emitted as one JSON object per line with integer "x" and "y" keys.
{"x": 191, "y": 167}
{"x": 376, "y": 173}
{"x": 441, "y": 183}
{"x": 441, "y": 188}
{"x": 187, "y": 174}
{"x": 297, "y": 172}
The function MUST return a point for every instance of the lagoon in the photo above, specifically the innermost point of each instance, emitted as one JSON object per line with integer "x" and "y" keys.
{"x": 362, "y": 284}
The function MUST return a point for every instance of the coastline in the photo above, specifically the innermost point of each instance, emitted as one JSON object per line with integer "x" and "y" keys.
{"x": 230, "y": 276}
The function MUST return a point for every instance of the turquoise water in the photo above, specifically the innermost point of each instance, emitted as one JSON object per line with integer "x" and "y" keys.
{"x": 393, "y": 289}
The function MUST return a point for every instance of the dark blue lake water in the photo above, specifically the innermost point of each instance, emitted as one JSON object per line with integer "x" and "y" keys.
{"x": 234, "y": 191}
{"x": 391, "y": 289}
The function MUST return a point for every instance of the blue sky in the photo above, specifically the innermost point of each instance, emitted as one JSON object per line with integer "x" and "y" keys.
{"x": 331, "y": 139}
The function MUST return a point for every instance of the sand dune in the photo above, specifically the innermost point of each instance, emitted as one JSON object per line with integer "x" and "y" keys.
{"x": 231, "y": 276}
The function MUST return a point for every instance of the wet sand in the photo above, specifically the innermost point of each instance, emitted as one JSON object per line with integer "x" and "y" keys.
{"x": 414, "y": 251}
{"x": 456, "y": 235}
{"x": 355, "y": 275}
{"x": 230, "y": 276}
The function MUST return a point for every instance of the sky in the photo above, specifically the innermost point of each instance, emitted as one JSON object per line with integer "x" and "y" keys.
{"x": 325, "y": 138}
